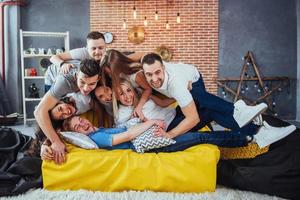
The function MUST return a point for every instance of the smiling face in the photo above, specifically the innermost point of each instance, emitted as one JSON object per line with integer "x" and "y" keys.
{"x": 86, "y": 84}
{"x": 103, "y": 94}
{"x": 96, "y": 48}
{"x": 126, "y": 95}
{"x": 79, "y": 125}
{"x": 62, "y": 111}
{"x": 154, "y": 73}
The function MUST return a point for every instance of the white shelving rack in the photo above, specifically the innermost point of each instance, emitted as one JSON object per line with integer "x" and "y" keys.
{"x": 23, "y": 34}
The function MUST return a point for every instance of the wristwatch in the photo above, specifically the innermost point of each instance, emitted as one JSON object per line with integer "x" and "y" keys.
{"x": 61, "y": 64}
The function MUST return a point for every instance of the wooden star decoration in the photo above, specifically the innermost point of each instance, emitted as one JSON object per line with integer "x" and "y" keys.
{"x": 276, "y": 83}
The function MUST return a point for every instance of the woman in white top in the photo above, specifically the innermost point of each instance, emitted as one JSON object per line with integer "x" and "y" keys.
{"x": 125, "y": 100}
{"x": 116, "y": 65}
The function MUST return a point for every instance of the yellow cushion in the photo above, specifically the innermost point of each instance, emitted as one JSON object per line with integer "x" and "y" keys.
{"x": 250, "y": 151}
{"x": 192, "y": 170}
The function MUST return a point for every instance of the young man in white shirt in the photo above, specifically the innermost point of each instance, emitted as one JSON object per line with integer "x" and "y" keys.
{"x": 197, "y": 107}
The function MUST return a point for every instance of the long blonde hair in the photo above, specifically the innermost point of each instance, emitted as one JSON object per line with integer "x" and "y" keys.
{"x": 115, "y": 97}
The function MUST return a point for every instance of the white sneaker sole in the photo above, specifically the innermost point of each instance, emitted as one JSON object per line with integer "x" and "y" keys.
{"x": 288, "y": 130}
{"x": 264, "y": 107}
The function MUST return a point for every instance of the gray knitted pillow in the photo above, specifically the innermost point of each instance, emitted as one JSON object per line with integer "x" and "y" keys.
{"x": 147, "y": 141}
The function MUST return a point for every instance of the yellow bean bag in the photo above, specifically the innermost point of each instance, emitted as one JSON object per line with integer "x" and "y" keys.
{"x": 192, "y": 170}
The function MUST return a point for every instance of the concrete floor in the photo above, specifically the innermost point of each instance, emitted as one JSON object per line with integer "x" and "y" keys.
{"x": 26, "y": 130}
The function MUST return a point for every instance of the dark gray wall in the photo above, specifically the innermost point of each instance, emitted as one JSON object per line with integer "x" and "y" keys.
{"x": 53, "y": 16}
{"x": 58, "y": 16}
{"x": 268, "y": 28}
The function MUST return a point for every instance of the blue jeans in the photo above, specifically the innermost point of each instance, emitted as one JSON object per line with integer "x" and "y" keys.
{"x": 219, "y": 138}
{"x": 184, "y": 141}
{"x": 210, "y": 108}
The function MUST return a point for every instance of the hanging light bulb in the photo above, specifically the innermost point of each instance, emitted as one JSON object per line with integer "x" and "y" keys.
{"x": 124, "y": 18}
{"x": 134, "y": 12}
{"x": 156, "y": 15}
{"x": 178, "y": 18}
{"x": 145, "y": 22}
{"x": 124, "y": 24}
{"x": 167, "y": 25}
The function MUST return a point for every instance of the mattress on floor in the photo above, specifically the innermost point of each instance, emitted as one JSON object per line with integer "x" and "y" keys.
{"x": 192, "y": 170}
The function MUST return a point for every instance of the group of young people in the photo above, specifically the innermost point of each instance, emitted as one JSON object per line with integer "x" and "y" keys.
{"x": 132, "y": 86}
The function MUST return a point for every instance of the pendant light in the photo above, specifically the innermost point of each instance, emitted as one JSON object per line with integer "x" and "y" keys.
{"x": 156, "y": 12}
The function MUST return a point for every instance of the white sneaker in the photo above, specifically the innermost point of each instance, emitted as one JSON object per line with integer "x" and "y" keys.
{"x": 243, "y": 114}
{"x": 267, "y": 134}
{"x": 258, "y": 120}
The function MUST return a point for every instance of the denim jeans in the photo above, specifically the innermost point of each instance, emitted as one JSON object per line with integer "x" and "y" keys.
{"x": 210, "y": 108}
{"x": 184, "y": 141}
{"x": 219, "y": 138}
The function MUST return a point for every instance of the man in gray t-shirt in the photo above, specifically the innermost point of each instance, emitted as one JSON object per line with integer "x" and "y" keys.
{"x": 85, "y": 80}
{"x": 95, "y": 49}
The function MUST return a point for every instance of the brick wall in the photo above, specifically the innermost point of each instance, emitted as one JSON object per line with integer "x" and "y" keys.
{"x": 194, "y": 40}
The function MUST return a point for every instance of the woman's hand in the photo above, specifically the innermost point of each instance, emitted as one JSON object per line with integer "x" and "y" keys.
{"x": 137, "y": 112}
{"x": 159, "y": 132}
{"x": 46, "y": 153}
{"x": 160, "y": 123}
{"x": 59, "y": 152}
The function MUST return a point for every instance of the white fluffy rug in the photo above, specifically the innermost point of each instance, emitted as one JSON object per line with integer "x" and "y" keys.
{"x": 220, "y": 194}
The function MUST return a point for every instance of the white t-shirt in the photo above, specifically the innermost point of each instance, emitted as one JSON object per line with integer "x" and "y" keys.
{"x": 177, "y": 77}
{"x": 82, "y": 102}
{"x": 150, "y": 110}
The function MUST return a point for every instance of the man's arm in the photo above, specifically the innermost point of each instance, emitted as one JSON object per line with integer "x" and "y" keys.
{"x": 137, "y": 56}
{"x": 59, "y": 59}
{"x": 191, "y": 119}
{"x": 43, "y": 119}
{"x": 147, "y": 91}
{"x": 162, "y": 102}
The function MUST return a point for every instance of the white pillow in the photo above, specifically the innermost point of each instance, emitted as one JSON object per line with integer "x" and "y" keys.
{"x": 147, "y": 141}
{"x": 79, "y": 140}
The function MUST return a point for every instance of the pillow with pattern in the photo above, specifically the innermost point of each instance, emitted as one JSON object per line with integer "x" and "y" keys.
{"x": 148, "y": 140}
{"x": 79, "y": 139}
